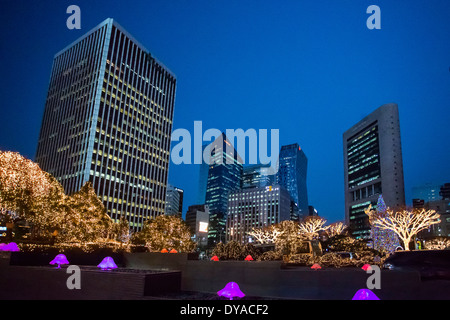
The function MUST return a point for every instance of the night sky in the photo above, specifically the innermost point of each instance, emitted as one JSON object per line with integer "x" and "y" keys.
{"x": 311, "y": 69}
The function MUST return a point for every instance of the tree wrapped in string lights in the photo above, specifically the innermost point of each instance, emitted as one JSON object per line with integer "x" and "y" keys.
{"x": 29, "y": 193}
{"x": 383, "y": 240}
{"x": 266, "y": 235}
{"x": 165, "y": 231}
{"x": 405, "y": 223}
{"x": 85, "y": 219}
{"x": 336, "y": 229}
{"x": 311, "y": 226}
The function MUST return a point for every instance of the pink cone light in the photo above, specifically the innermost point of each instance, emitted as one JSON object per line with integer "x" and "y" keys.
{"x": 248, "y": 258}
{"x": 316, "y": 266}
{"x": 215, "y": 258}
{"x": 59, "y": 260}
{"x": 230, "y": 291}
{"x": 366, "y": 267}
{"x": 107, "y": 264}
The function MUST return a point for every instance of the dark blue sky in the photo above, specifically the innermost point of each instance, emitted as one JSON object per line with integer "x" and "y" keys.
{"x": 308, "y": 68}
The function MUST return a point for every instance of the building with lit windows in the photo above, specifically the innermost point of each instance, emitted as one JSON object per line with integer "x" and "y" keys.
{"x": 108, "y": 119}
{"x": 203, "y": 175}
{"x": 256, "y": 208}
{"x": 291, "y": 175}
{"x": 257, "y": 175}
{"x": 224, "y": 176}
{"x": 373, "y": 165}
{"x": 174, "y": 201}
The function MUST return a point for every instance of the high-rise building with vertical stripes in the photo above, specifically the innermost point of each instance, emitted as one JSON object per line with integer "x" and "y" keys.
{"x": 291, "y": 175}
{"x": 224, "y": 176}
{"x": 373, "y": 166}
{"x": 108, "y": 119}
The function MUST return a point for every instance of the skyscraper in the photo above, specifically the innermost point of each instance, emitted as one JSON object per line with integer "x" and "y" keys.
{"x": 224, "y": 176}
{"x": 292, "y": 169}
{"x": 108, "y": 120}
{"x": 373, "y": 166}
{"x": 203, "y": 175}
{"x": 257, "y": 175}
{"x": 174, "y": 200}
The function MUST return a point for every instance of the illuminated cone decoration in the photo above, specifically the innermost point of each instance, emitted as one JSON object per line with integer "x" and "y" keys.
{"x": 365, "y": 294}
{"x": 12, "y": 246}
{"x": 59, "y": 260}
{"x": 366, "y": 267}
{"x": 173, "y": 251}
{"x": 215, "y": 258}
{"x": 164, "y": 250}
{"x": 107, "y": 264}
{"x": 316, "y": 266}
{"x": 248, "y": 258}
{"x": 231, "y": 291}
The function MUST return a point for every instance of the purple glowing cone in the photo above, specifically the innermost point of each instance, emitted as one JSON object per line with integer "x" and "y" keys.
{"x": 365, "y": 294}
{"x": 12, "y": 246}
{"x": 59, "y": 260}
{"x": 230, "y": 291}
{"x": 107, "y": 264}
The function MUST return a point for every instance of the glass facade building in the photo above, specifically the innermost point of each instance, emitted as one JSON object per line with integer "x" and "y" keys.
{"x": 372, "y": 166}
{"x": 224, "y": 176}
{"x": 174, "y": 201}
{"x": 108, "y": 119}
{"x": 291, "y": 175}
{"x": 256, "y": 176}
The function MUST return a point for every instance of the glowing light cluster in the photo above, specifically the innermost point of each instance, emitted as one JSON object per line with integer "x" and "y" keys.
{"x": 404, "y": 223}
{"x": 230, "y": 291}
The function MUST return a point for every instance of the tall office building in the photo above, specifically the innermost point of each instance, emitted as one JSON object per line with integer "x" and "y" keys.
{"x": 203, "y": 174}
{"x": 256, "y": 208}
{"x": 373, "y": 165}
{"x": 224, "y": 176}
{"x": 292, "y": 169}
{"x": 108, "y": 120}
{"x": 174, "y": 201}
{"x": 257, "y": 175}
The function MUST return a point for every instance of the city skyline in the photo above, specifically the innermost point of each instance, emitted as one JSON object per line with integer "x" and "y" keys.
{"x": 302, "y": 74}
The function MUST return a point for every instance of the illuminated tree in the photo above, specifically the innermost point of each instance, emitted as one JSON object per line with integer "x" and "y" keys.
{"x": 440, "y": 243}
{"x": 335, "y": 229}
{"x": 311, "y": 226}
{"x": 266, "y": 235}
{"x": 86, "y": 219}
{"x": 165, "y": 231}
{"x": 405, "y": 223}
{"x": 30, "y": 193}
{"x": 121, "y": 231}
{"x": 383, "y": 240}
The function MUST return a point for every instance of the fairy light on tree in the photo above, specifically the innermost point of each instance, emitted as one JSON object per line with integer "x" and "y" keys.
{"x": 383, "y": 239}
{"x": 336, "y": 229}
{"x": 405, "y": 223}
{"x": 29, "y": 192}
{"x": 311, "y": 226}
{"x": 165, "y": 231}
{"x": 266, "y": 235}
